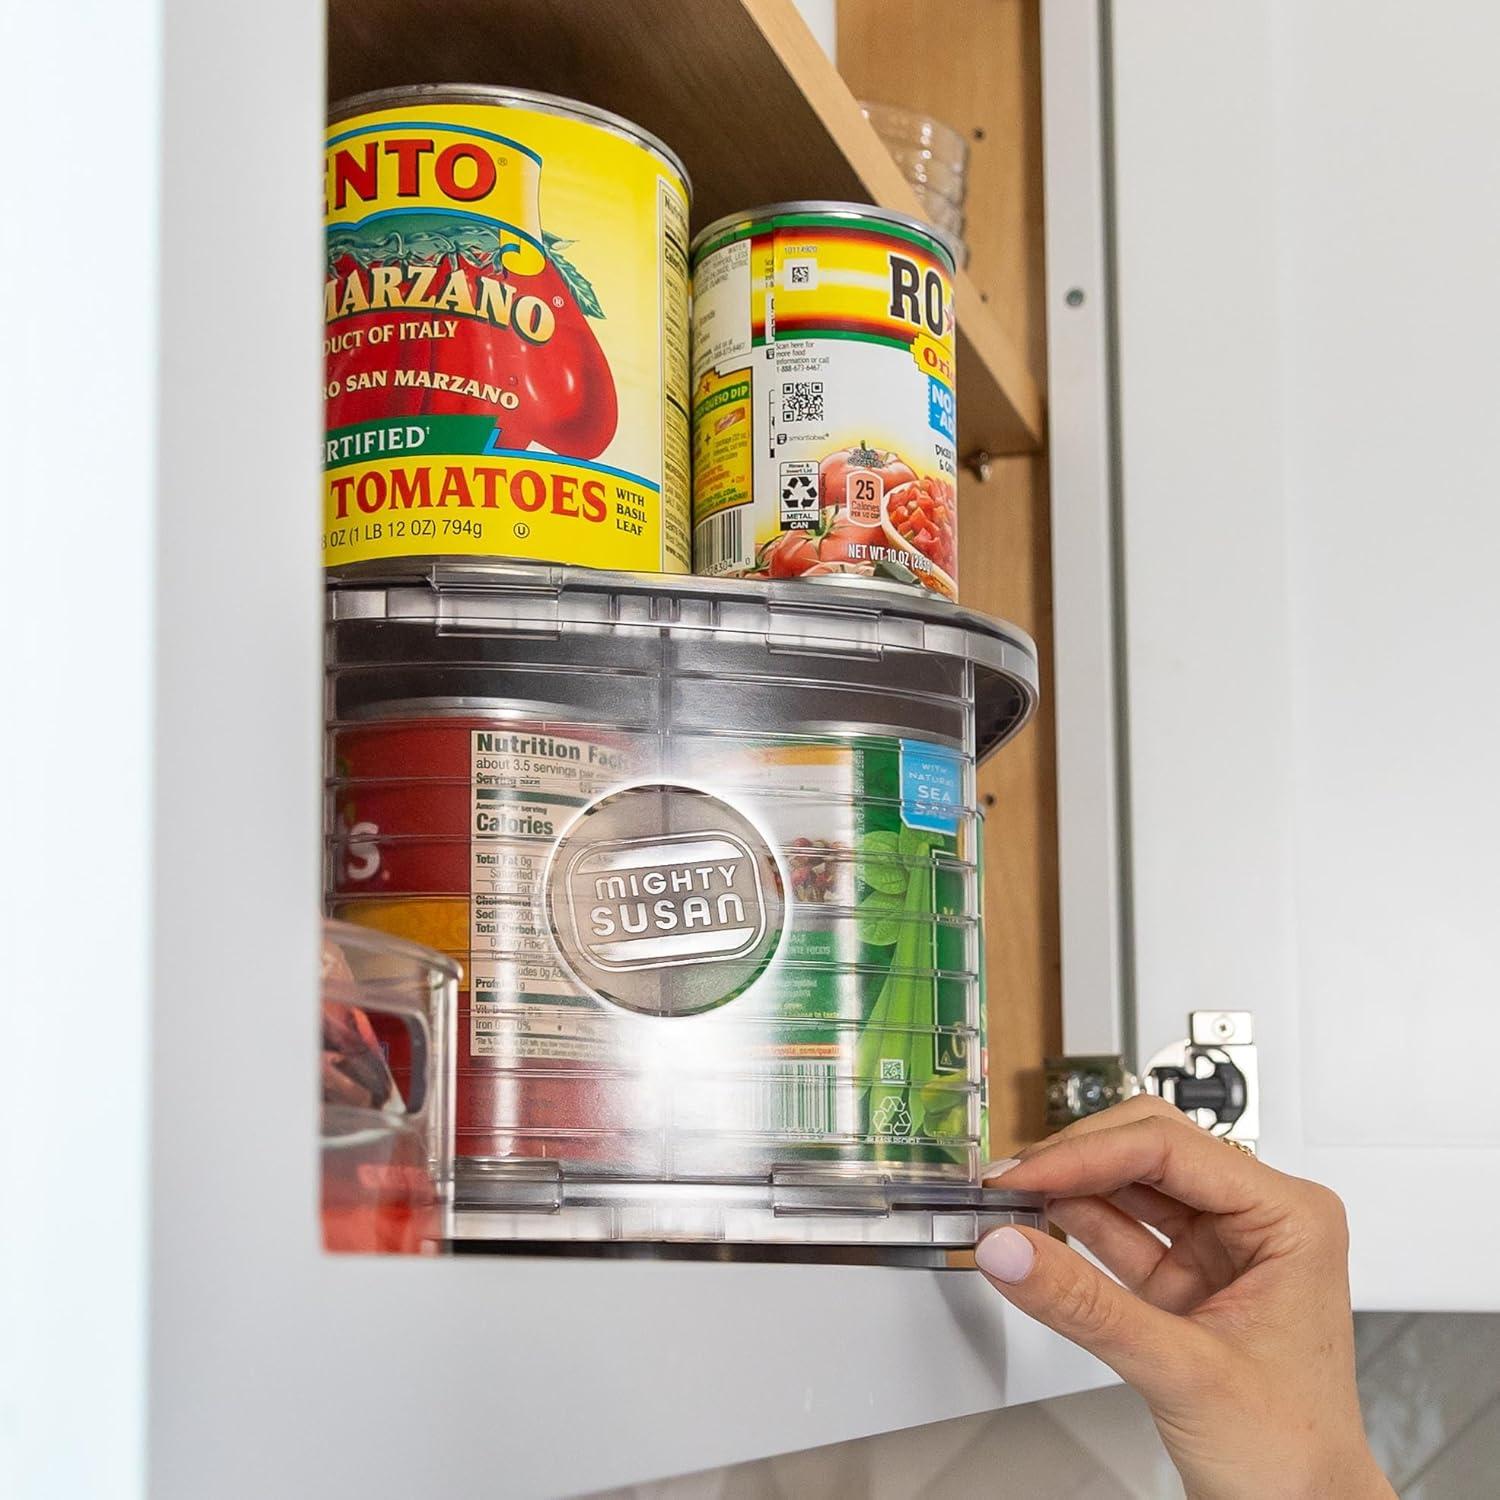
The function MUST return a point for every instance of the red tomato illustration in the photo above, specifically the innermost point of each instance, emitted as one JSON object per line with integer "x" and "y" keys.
{"x": 833, "y": 472}
{"x": 841, "y": 535}
{"x": 792, "y": 554}
{"x": 554, "y": 389}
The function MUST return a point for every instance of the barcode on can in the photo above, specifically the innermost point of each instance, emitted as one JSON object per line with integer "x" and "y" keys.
{"x": 719, "y": 542}
{"x": 798, "y": 1098}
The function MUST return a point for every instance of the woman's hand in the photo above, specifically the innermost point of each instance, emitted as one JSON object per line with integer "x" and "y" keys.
{"x": 1232, "y": 1321}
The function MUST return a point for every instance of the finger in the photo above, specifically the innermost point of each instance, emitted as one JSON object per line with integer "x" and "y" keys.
{"x": 1130, "y": 1251}
{"x": 1154, "y": 1208}
{"x": 1059, "y": 1288}
{"x": 1134, "y": 1256}
{"x": 1140, "y": 1107}
{"x": 1179, "y": 1160}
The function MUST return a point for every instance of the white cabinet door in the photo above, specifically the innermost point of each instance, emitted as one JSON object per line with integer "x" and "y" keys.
{"x": 1307, "y": 226}
{"x": 275, "y": 1370}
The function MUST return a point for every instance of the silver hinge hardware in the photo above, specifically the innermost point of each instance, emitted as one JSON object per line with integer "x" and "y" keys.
{"x": 1213, "y": 1076}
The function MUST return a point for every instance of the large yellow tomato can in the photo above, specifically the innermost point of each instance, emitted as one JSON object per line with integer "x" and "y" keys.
{"x": 505, "y": 333}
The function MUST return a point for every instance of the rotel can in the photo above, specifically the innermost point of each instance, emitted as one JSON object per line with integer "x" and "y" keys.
{"x": 506, "y": 333}
{"x": 823, "y": 396}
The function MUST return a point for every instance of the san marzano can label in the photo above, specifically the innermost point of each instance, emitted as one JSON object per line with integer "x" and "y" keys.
{"x": 506, "y": 329}
{"x": 823, "y": 399}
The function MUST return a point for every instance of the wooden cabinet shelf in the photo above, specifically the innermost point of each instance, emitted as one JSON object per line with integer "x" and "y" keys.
{"x": 744, "y": 93}
{"x": 739, "y": 88}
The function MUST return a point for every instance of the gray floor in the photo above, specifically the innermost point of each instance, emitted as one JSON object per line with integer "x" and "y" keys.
{"x": 1430, "y": 1386}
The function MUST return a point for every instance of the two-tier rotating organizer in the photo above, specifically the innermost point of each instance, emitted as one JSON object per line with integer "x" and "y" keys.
{"x": 708, "y": 856}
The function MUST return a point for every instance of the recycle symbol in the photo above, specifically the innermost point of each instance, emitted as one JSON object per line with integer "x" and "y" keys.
{"x": 892, "y": 1117}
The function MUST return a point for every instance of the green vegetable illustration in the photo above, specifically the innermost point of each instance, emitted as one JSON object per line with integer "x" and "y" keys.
{"x": 891, "y": 1043}
{"x": 880, "y": 918}
{"x": 879, "y": 864}
{"x": 426, "y": 239}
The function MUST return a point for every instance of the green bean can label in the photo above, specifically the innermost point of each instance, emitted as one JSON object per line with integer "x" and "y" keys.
{"x": 864, "y": 1034}
{"x": 823, "y": 400}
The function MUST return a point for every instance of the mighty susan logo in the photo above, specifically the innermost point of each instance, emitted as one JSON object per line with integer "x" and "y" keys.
{"x": 664, "y": 899}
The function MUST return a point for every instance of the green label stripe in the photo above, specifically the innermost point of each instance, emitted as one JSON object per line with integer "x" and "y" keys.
{"x": 390, "y": 438}
{"x": 833, "y": 333}
{"x": 739, "y": 391}
{"x": 490, "y": 991}
{"x": 871, "y": 225}
{"x": 511, "y": 794}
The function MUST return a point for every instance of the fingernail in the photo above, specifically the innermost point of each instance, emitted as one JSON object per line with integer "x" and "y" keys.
{"x": 997, "y": 1168}
{"x": 1005, "y": 1254}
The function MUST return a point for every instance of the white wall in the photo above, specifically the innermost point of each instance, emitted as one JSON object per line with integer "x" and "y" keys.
{"x": 1389, "y": 241}
{"x": 822, "y": 19}
{"x": 1307, "y": 228}
{"x": 78, "y": 107}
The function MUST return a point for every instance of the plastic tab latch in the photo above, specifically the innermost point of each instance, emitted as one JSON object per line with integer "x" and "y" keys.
{"x": 803, "y": 1192}
{"x": 518, "y": 612}
{"x": 823, "y": 631}
{"x": 526, "y": 1187}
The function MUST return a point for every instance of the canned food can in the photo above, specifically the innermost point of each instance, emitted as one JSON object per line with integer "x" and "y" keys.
{"x": 824, "y": 423}
{"x": 506, "y": 333}
{"x": 443, "y": 817}
{"x": 861, "y": 1048}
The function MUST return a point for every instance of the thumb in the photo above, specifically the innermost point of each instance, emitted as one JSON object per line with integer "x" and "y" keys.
{"x": 1058, "y": 1287}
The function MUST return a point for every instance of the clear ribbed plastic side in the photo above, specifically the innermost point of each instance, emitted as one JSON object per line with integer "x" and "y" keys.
{"x": 715, "y": 899}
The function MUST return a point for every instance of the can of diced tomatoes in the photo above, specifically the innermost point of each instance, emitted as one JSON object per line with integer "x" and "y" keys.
{"x": 442, "y": 816}
{"x": 823, "y": 396}
{"x": 505, "y": 309}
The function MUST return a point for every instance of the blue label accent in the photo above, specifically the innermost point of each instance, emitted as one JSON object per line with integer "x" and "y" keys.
{"x": 932, "y": 787}
{"x": 942, "y": 415}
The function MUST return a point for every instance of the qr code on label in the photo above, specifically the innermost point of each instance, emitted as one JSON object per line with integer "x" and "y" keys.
{"x": 892, "y": 1070}
{"x": 802, "y": 401}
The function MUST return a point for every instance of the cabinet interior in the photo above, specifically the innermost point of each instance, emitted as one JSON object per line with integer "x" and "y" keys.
{"x": 741, "y": 89}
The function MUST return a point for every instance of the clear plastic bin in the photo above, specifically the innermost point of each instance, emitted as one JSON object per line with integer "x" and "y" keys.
{"x": 387, "y": 1119}
{"x": 934, "y": 159}
{"x": 707, "y": 855}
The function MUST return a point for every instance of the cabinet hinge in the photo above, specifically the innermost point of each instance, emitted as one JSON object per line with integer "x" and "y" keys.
{"x": 1212, "y": 1075}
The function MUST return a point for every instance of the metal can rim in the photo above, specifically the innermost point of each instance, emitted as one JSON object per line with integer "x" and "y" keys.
{"x": 535, "y": 712}
{"x": 542, "y": 103}
{"x": 833, "y": 208}
{"x": 460, "y": 705}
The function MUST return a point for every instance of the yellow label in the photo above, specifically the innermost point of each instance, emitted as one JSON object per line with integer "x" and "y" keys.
{"x": 440, "y": 922}
{"x": 721, "y": 443}
{"x": 867, "y": 285}
{"x": 529, "y": 506}
{"x": 392, "y": 169}
{"x": 505, "y": 302}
